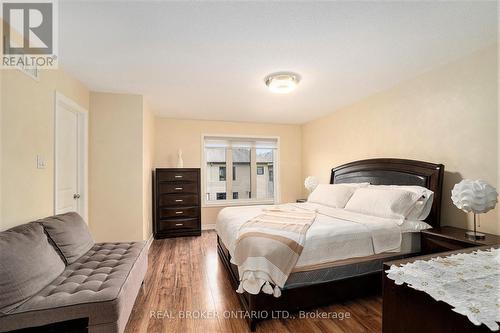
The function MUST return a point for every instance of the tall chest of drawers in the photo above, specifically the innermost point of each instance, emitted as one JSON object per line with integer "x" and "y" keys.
{"x": 176, "y": 202}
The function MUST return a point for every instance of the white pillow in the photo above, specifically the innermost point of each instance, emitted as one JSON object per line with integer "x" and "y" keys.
{"x": 332, "y": 195}
{"x": 414, "y": 226}
{"x": 355, "y": 185}
{"x": 383, "y": 202}
{"x": 423, "y": 205}
{"x": 422, "y": 209}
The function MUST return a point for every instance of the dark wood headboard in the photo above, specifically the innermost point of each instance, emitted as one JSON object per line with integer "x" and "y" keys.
{"x": 393, "y": 171}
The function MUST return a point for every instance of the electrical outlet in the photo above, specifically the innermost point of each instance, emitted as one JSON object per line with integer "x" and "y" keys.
{"x": 40, "y": 162}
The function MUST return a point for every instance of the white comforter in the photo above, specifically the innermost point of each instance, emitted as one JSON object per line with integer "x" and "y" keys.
{"x": 335, "y": 235}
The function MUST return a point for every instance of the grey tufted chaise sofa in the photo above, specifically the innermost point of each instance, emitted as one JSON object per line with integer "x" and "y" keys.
{"x": 52, "y": 273}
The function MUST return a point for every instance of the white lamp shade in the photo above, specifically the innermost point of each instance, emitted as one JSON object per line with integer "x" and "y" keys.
{"x": 475, "y": 196}
{"x": 311, "y": 183}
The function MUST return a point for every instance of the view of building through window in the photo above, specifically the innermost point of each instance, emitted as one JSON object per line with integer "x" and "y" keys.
{"x": 265, "y": 182}
{"x": 251, "y": 164}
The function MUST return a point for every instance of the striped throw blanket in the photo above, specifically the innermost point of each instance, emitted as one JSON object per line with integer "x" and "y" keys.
{"x": 268, "y": 247}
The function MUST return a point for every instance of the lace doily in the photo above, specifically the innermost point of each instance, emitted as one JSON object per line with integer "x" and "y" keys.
{"x": 469, "y": 282}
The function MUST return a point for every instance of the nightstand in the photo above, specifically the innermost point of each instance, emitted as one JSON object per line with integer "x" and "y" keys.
{"x": 450, "y": 238}
{"x": 301, "y": 200}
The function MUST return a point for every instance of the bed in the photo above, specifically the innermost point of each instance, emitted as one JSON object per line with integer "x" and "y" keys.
{"x": 341, "y": 276}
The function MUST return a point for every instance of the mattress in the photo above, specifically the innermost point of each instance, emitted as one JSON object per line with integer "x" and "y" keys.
{"x": 343, "y": 269}
{"x": 328, "y": 240}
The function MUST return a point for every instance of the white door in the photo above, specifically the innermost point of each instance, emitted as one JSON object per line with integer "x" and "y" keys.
{"x": 70, "y": 157}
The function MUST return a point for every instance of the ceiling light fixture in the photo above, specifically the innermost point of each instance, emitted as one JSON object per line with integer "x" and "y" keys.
{"x": 282, "y": 82}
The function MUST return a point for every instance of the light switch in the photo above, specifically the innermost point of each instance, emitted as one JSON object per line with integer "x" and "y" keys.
{"x": 40, "y": 162}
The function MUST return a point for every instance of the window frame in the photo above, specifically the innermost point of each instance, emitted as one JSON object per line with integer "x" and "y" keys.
{"x": 241, "y": 202}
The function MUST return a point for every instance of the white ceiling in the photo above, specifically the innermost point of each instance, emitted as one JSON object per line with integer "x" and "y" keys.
{"x": 208, "y": 60}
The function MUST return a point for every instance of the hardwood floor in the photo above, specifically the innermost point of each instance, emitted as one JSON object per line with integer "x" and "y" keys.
{"x": 188, "y": 290}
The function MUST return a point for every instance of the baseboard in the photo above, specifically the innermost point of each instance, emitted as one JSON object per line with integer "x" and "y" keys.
{"x": 149, "y": 242}
{"x": 208, "y": 227}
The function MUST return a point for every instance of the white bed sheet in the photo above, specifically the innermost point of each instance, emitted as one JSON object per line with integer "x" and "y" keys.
{"x": 328, "y": 239}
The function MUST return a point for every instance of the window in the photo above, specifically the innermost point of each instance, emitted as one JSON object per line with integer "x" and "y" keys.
{"x": 222, "y": 173}
{"x": 215, "y": 159}
{"x": 242, "y": 164}
{"x": 265, "y": 163}
{"x": 243, "y": 167}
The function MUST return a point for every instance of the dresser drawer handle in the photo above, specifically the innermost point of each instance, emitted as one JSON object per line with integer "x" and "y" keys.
{"x": 179, "y": 200}
{"x": 179, "y": 188}
{"x": 179, "y": 212}
{"x": 179, "y": 224}
{"x": 178, "y": 176}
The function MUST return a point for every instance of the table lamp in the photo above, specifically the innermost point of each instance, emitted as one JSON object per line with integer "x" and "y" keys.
{"x": 474, "y": 196}
{"x": 310, "y": 183}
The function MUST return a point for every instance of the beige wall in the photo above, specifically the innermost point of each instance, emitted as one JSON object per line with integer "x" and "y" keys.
{"x": 120, "y": 154}
{"x": 116, "y": 167}
{"x": 148, "y": 156}
{"x": 448, "y": 115}
{"x": 27, "y": 130}
{"x": 172, "y": 134}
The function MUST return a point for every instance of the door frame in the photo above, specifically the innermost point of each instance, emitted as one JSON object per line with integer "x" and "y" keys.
{"x": 82, "y": 154}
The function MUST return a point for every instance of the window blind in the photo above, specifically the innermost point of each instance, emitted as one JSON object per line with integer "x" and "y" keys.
{"x": 225, "y": 142}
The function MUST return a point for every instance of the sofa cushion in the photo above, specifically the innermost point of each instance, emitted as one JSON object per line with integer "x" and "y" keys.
{"x": 101, "y": 285}
{"x": 70, "y": 234}
{"x": 28, "y": 263}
